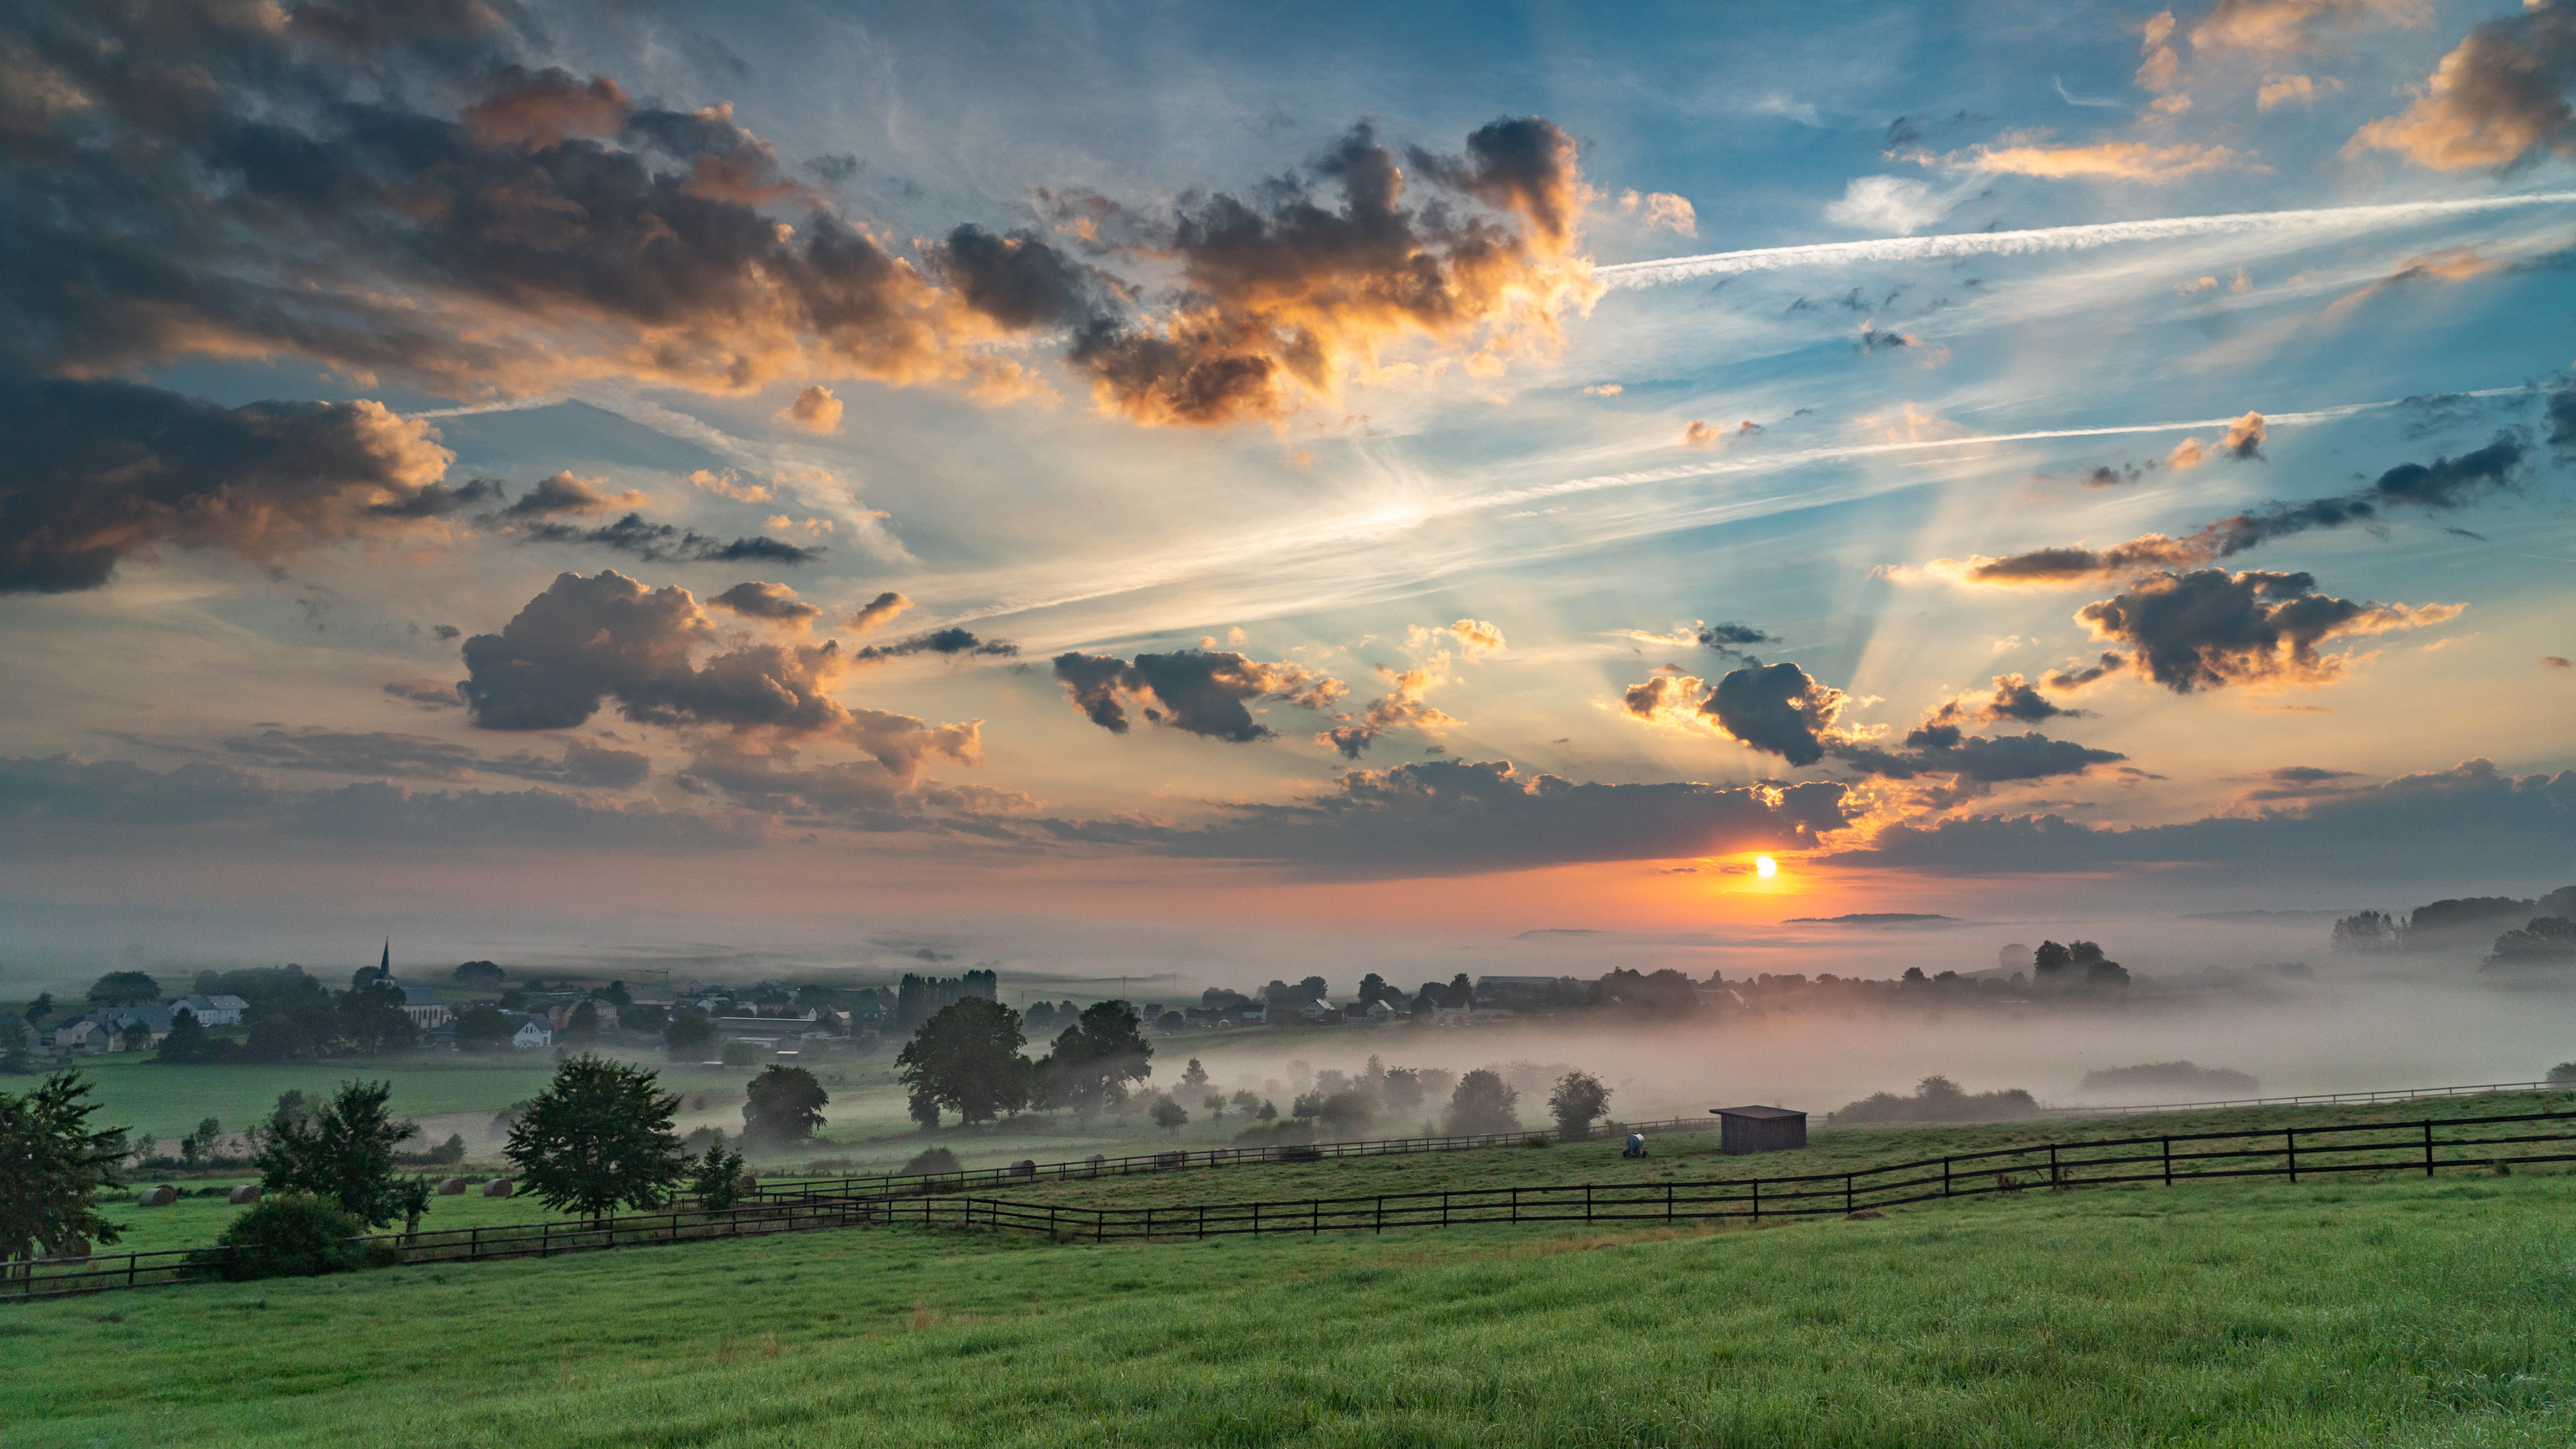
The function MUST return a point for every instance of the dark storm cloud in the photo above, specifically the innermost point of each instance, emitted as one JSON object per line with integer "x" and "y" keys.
{"x": 419, "y": 757}
{"x": 2208, "y": 629}
{"x": 669, "y": 543}
{"x": 1202, "y": 691}
{"x": 1945, "y": 750}
{"x": 1457, "y": 817}
{"x": 1780, "y": 710}
{"x": 948, "y": 643}
{"x": 1776, "y": 709}
{"x": 2472, "y": 820}
{"x": 99, "y": 472}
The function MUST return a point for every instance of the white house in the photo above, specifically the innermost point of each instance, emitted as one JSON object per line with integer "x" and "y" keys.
{"x": 426, "y": 1011}
{"x": 85, "y": 1036}
{"x": 1378, "y": 1010}
{"x": 218, "y": 1010}
{"x": 1318, "y": 1010}
{"x": 533, "y": 1033}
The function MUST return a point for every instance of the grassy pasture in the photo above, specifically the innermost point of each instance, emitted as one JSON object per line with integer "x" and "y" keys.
{"x": 2402, "y": 1313}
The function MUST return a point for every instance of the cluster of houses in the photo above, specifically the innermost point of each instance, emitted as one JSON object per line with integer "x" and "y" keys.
{"x": 132, "y": 1028}
{"x": 1260, "y": 1013}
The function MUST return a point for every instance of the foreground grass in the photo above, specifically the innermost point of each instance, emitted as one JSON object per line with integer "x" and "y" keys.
{"x": 2401, "y": 1313}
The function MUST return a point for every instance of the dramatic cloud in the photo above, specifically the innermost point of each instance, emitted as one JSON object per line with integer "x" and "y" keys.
{"x": 587, "y": 640}
{"x": 99, "y": 472}
{"x": 883, "y": 792}
{"x": 1284, "y": 296}
{"x": 768, "y": 603}
{"x": 1451, "y": 817}
{"x": 2209, "y": 629}
{"x": 876, "y": 612}
{"x": 2497, "y": 100}
{"x": 67, "y": 788}
{"x": 420, "y": 757}
{"x": 1944, "y": 750}
{"x": 1199, "y": 690}
{"x": 564, "y": 493}
{"x": 1774, "y": 708}
{"x": 815, "y": 410}
{"x": 252, "y": 182}
{"x": 2441, "y": 486}
{"x": 948, "y": 643}
{"x": 669, "y": 543}
{"x": 2013, "y": 699}
{"x": 2476, "y": 822}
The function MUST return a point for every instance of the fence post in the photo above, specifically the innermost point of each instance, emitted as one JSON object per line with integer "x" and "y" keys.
{"x": 1847, "y": 1192}
{"x": 545, "y": 1240}
{"x": 2428, "y": 1147}
{"x": 1587, "y": 1202}
{"x": 1757, "y": 1199}
{"x": 1945, "y": 1177}
{"x": 1668, "y": 1200}
{"x": 2168, "y": 1161}
{"x": 2291, "y": 1137}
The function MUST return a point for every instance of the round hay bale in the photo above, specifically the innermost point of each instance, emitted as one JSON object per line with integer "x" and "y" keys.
{"x": 497, "y": 1187}
{"x": 1097, "y": 1162}
{"x": 749, "y": 1183}
{"x": 1025, "y": 1167}
{"x": 246, "y": 1194}
{"x": 161, "y": 1196}
{"x": 453, "y": 1187}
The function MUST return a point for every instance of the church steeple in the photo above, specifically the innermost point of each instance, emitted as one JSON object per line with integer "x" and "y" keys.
{"x": 385, "y": 964}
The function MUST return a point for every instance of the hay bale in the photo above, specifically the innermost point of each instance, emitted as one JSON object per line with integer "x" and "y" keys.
{"x": 748, "y": 1185}
{"x": 453, "y": 1187}
{"x": 497, "y": 1187}
{"x": 246, "y": 1194}
{"x": 1025, "y": 1167}
{"x": 161, "y": 1196}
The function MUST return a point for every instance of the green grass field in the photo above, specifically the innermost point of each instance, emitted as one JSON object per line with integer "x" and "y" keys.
{"x": 2404, "y": 1313}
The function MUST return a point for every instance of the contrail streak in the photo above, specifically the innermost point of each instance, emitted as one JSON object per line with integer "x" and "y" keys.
{"x": 2050, "y": 239}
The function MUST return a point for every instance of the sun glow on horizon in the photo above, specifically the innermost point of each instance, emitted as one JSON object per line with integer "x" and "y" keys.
{"x": 1765, "y": 867}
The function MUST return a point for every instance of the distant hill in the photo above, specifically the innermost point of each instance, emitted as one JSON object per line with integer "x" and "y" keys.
{"x": 2267, "y": 916}
{"x": 1873, "y": 918}
{"x": 1556, "y": 931}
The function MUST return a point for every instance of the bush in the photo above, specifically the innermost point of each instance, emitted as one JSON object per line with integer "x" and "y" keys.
{"x": 293, "y": 1235}
{"x": 2563, "y": 1074}
{"x": 932, "y": 1159}
{"x": 1938, "y": 1099}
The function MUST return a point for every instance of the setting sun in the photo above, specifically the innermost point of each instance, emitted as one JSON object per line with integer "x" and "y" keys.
{"x": 1765, "y": 867}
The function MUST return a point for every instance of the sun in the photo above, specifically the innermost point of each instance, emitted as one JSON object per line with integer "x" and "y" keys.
{"x": 1765, "y": 867}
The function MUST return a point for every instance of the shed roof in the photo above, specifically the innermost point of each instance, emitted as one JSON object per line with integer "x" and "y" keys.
{"x": 1765, "y": 1114}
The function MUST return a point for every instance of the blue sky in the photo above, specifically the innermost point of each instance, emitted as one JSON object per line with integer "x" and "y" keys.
{"x": 1405, "y": 633}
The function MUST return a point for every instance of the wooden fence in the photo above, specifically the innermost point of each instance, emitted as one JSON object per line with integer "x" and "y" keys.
{"x": 2426, "y": 1145}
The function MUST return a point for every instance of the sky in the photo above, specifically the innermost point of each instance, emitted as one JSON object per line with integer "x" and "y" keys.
{"x": 1211, "y": 489}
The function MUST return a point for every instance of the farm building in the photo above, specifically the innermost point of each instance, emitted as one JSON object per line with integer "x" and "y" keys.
{"x": 1759, "y": 1129}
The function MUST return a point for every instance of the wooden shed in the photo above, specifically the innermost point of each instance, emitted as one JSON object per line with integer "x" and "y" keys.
{"x": 1759, "y": 1129}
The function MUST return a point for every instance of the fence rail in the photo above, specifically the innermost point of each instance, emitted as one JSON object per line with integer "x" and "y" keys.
{"x": 920, "y": 1184}
{"x": 2426, "y": 1145}
{"x": 2318, "y": 1099}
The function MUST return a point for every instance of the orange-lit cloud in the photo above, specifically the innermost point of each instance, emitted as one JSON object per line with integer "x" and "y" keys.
{"x": 2497, "y": 99}
{"x": 2297, "y": 25}
{"x": 815, "y": 410}
{"x": 2105, "y": 160}
{"x": 1660, "y": 210}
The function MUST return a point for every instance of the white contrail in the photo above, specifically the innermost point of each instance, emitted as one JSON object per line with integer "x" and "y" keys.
{"x": 2049, "y": 239}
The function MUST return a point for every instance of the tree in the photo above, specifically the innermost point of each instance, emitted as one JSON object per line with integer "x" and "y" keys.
{"x": 966, "y": 1057}
{"x": 582, "y": 1025}
{"x": 782, "y": 1105}
{"x": 124, "y": 988}
{"x": 1579, "y": 1097}
{"x": 1278, "y": 992}
{"x": 53, "y": 1166}
{"x": 599, "y": 1135}
{"x": 188, "y": 1041}
{"x": 1313, "y": 988}
{"x": 1194, "y": 1076}
{"x": 1095, "y": 1058}
{"x": 343, "y": 1152}
{"x": 1373, "y": 986}
{"x": 1170, "y": 1115}
{"x": 716, "y": 1177}
{"x": 1482, "y": 1104}
{"x": 199, "y": 1145}
{"x": 481, "y": 975}
{"x": 688, "y": 1036}
{"x": 1462, "y": 992}
{"x": 618, "y": 996}
{"x": 1244, "y": 1101}
{"x": 371, "y": 1018}
{"x": 40, "y": 1008}
{"x": 480, "y": 1028}
{"x": 1215, "y": 1103}
{"x": 135, "y": 1037}
{"x": 2049, "y": 961}
{"x": 1170, "y": 1023}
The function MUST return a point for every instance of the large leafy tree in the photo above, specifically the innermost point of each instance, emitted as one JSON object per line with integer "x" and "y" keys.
{"x": 782, "y": 1105}
{"x": 1482, "y": 1103}
{"x": 599, "y": 1136}
{"x": 188, "y": 1041}
{"x": 966, "y": 1058}
{"x": 124, "y": 988}
{"x": 52, "y": 1166}
{"x": 1579, "y": 1097}
{"x": 689, "y": 1036}
{"x": 371, "y": 1018}
{"x": 342, "y": 1151}
{"x": 1094, "y": 1059}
